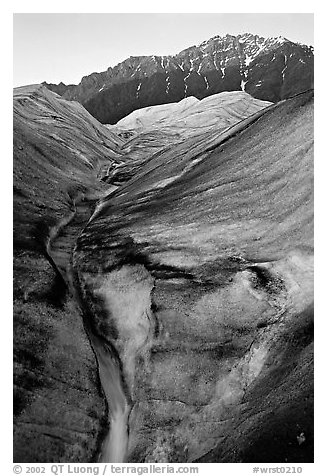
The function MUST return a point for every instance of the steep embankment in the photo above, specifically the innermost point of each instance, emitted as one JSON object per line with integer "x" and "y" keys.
{"x": 201, "y": 266}
{"x": 59, "y": 151}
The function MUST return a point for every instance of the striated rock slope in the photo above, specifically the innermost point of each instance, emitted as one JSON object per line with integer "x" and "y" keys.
{"x": 59, "y": 150}
{"x": 191, "y": 117}
{"x": 47, "y": 130}
{"x": 199, "y": 272}
{"x": 151, "y": 130}
{"x": 267, "y": 68}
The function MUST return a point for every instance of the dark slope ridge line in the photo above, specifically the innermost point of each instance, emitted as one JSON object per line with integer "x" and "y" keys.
{"x": 243, "y": 124}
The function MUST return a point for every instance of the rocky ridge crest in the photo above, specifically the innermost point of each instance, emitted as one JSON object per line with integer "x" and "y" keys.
{"x": 267, "y": 68}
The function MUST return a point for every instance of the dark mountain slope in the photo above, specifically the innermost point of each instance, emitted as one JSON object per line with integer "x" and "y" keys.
{"x": 269, "y": 69}
{"x": 281, "y": 73}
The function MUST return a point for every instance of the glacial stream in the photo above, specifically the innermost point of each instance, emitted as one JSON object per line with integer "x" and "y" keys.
{"x": 114, "y": 446}
{"x": 59, "y": 247}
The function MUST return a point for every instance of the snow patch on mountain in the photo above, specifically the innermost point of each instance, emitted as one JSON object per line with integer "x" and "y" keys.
{"x": 185, "y": 84}
{"x": 243, "y": 83}
{"x": 284, "y": 69}
{"x": 168, "y": 84}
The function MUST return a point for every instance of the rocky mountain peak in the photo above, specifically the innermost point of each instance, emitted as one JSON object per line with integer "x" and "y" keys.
{"x": 267, "y": 68}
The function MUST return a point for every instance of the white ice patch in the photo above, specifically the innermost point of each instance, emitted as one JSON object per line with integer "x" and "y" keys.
{"x": 139, "y": 66}
{"x": 283, "y": 71}
{"x": 138, "y": 90}
{"x": 168, "y": 84}
{"x": 185, "y": 85}
{"x": 222, "y": 68}
{"x": 243, "y": 83}
{"x": 248, "y": 60}
{"x": 101, "y": 89}
{"x": 167, "y": 181}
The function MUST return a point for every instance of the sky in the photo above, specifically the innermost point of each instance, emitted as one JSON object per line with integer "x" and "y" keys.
{"x": 56, "y": 47}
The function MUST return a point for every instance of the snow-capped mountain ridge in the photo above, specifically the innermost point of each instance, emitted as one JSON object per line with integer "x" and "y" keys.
{"x": 267, "y": 68}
